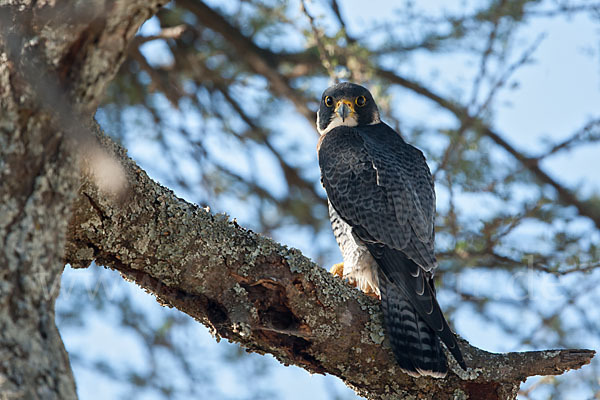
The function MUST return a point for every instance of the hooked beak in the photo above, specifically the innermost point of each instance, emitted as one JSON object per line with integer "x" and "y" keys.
{"x": 344, "y": 108}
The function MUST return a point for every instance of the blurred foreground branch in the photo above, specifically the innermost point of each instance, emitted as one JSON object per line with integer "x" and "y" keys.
{"x": 267, "y": 297}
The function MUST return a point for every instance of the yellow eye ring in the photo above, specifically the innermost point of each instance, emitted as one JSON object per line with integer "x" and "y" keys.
{"x": 361, "y": 101}
{"x": 328, "y": 101}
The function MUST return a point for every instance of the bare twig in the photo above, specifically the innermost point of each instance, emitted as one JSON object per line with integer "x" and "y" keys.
{"x": 317, "y": 34}
{"x": 486, "y": 55}
{"x": 503, "y": 79}
{"x": 160, "y": 81}
{"x": 258, "y": 59}
{"x": 173, "y": 32}
{"x": 588, "y": 134}
{"x": 565, "y": 8}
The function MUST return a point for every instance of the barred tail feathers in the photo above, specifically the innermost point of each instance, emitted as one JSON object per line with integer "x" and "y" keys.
{"x": 415, "y": 345}
{"x": 413, "y": 316}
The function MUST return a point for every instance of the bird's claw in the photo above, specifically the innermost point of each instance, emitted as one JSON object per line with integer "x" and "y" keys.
{"x": 371, "y": 292}
{"x": 337, "y": 270}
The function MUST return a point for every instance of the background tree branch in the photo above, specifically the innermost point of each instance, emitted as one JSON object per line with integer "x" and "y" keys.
{"x": 270, "y": 62}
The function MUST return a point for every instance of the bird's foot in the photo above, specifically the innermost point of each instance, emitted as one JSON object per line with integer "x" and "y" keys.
{"x": 369, "y": 291}
{"x": 337, "y": 270}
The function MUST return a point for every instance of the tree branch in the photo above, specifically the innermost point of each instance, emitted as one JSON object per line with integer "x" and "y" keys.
{"x": 269, "y": 298}
{"x": 258, "y": 59}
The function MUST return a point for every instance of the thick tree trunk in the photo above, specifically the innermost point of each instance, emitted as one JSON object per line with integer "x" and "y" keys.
{"x": 55, "y": 61}
{"x": 38, "y": 186}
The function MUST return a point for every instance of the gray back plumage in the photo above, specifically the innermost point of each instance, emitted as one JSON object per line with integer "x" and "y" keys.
{"x": 400, "y": 212}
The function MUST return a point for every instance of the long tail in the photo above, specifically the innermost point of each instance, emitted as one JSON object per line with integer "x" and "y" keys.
{"x": 413, "y": 317}
{"x": 415, "y": 345}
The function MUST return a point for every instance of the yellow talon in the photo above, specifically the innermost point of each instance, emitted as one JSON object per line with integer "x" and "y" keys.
{"x": 371, "y": 292}
{"x": 337, "y": 269}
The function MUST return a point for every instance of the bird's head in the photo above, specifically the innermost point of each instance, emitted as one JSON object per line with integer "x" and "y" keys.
{"x": 346, "y": 104}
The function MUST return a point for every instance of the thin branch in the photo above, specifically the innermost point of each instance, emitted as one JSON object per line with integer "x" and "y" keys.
{"x": 258, "y": 59}
{"x": 588, "y": 134}
{"x": 290, "y": 173}
{"x": 503, "y": 79}
{"x": 160, "y": 81}
{"x": 318, "y": 36}
{"x": 173, "y": 32}
{"x": 486, "y": 55}
{"x": 565, "y": 9}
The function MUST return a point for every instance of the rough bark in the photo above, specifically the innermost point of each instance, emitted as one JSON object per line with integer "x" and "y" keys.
{"x": 269, "y": 298}
{"x": 38, "y": 186}
{"x": 55, "y": 61}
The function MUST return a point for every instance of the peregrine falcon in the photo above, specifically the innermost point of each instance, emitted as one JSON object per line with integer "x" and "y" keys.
{"x": 382, "y": 207}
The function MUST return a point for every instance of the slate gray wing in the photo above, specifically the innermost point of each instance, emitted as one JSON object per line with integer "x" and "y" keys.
{"x": 375, "y": 180}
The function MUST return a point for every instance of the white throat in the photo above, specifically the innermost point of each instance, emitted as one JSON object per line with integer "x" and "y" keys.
{"x": 335, "y": 122}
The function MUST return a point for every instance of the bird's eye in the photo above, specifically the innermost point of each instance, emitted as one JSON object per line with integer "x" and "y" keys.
{"x": 328, "y": 101}
{"x": 361, "y": 101}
